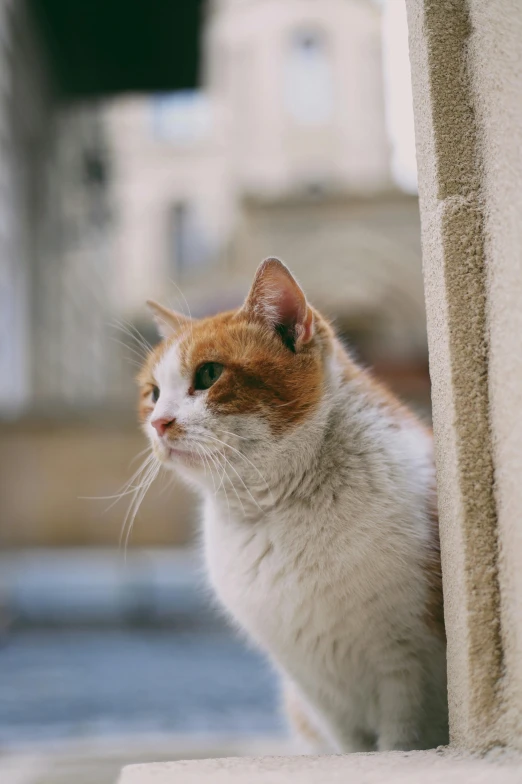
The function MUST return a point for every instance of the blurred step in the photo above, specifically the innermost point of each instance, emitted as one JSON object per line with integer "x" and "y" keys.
{"x": 100, "y": 762}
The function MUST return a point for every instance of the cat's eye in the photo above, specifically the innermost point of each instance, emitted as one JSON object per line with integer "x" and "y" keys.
{"x": 155, "y": 394}
{"x": 207, "y": 375}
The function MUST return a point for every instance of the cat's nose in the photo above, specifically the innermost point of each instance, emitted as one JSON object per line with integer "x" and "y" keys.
{"x": 161, "y": 424}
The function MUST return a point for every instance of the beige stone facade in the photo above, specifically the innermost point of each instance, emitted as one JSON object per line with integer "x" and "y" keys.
{"x": 468, "y": 87}
{"x": 55, "y": 293}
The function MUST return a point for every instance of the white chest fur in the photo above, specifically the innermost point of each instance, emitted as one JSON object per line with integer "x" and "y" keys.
{"x": 335, "y": 593}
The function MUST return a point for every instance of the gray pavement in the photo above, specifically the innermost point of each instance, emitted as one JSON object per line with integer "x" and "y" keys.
{"x": 104, "y": 663}
{"x": 78, "y": 683}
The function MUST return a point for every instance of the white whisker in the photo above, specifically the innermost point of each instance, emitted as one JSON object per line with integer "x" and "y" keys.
{"x": 133, "y": 332}
{"x": 135, "y": 504}
{"x": 226, "y": 462}
{"x": 127, "y": 488}
{"x": 139, "y": 358}
{"x": 222, "y": 484}
{"x": 213, "y": 458}
{"x": 188, "y": 308}
{"x": 168, "y": 485}
{"x": 244, "y": 457}
{"x": 143, "y": 451}
{"x": 232, "y": 485}
{"x": 202, "y": 454}
{"x": 244, "y": 485}
{"x": 229, "y": 433}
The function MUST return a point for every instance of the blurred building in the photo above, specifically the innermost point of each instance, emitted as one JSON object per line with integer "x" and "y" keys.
{"x": 287, "y": 149}
{"x": 59, "y": 361}
{"x": 284, "y": 152}
{"x": 55, "y": 279}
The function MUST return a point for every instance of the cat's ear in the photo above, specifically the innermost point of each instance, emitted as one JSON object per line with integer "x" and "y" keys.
{"x": 167, "y": 321}
{"x": 277, "y": 299}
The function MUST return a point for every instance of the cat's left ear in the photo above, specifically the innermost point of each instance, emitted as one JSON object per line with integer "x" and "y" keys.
{"x": 167, "y": 321}
{"x": 277, "y": 299}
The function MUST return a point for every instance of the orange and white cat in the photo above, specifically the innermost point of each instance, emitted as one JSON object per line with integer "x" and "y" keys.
{"x": 320, "y": 527}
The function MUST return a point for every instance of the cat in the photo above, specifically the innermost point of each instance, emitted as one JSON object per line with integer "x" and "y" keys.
{"x": 319, "y": 518}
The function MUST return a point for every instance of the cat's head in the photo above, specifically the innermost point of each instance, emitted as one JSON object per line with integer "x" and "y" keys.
{"x": 234, "y": 381}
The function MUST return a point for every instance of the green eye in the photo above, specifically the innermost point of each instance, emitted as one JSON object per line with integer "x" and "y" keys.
{"x": 155, "y": 394}
{"x": 207, "y": 375}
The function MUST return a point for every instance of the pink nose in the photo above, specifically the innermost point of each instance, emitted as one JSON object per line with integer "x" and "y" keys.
{"x": 160, "y": 425}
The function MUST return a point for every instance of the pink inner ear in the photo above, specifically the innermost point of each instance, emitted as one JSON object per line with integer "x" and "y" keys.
{"x": 277, "y": 297}
{"x": 290, "y": 305}
{"x": 308, "y": 327}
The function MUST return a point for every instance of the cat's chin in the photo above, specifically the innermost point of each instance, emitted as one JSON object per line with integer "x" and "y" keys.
{"x": 176, "y": 456}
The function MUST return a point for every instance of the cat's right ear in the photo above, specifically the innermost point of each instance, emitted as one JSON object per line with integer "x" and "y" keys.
{"x": 277, "y": 299}
{"x": 167, "y": 321}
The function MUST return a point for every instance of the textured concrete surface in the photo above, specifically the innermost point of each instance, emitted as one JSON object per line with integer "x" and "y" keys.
{"x": 495, "y": 48}
{"x": 466, "y": 72}
{"x": 391, "y": 767}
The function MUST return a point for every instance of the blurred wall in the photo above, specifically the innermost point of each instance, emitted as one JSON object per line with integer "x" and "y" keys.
{"x": 53, "y": 474}
{"x": 299, "y": 91}
{"x": 55, "y": 271}
{"x": 357, "y": 257}
{"x": 26, "y": 139}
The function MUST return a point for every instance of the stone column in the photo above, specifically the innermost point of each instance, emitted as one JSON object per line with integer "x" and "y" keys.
{"x": 466, "y": 58}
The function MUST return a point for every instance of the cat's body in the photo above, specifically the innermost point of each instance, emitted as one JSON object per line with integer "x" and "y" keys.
{"x": 320, "y": 536}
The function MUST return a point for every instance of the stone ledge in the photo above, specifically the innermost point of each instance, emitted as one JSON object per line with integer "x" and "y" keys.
{"x": 429, "y": 767}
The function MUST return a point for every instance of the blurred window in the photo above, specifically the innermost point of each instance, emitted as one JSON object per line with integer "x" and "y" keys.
{"x": 398, "y": 95}
{"x": 188, "y": 249}
{"x": 308, "y": 81}
{"x": 182, "y": 117}
{"x": 181, "y": 244}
